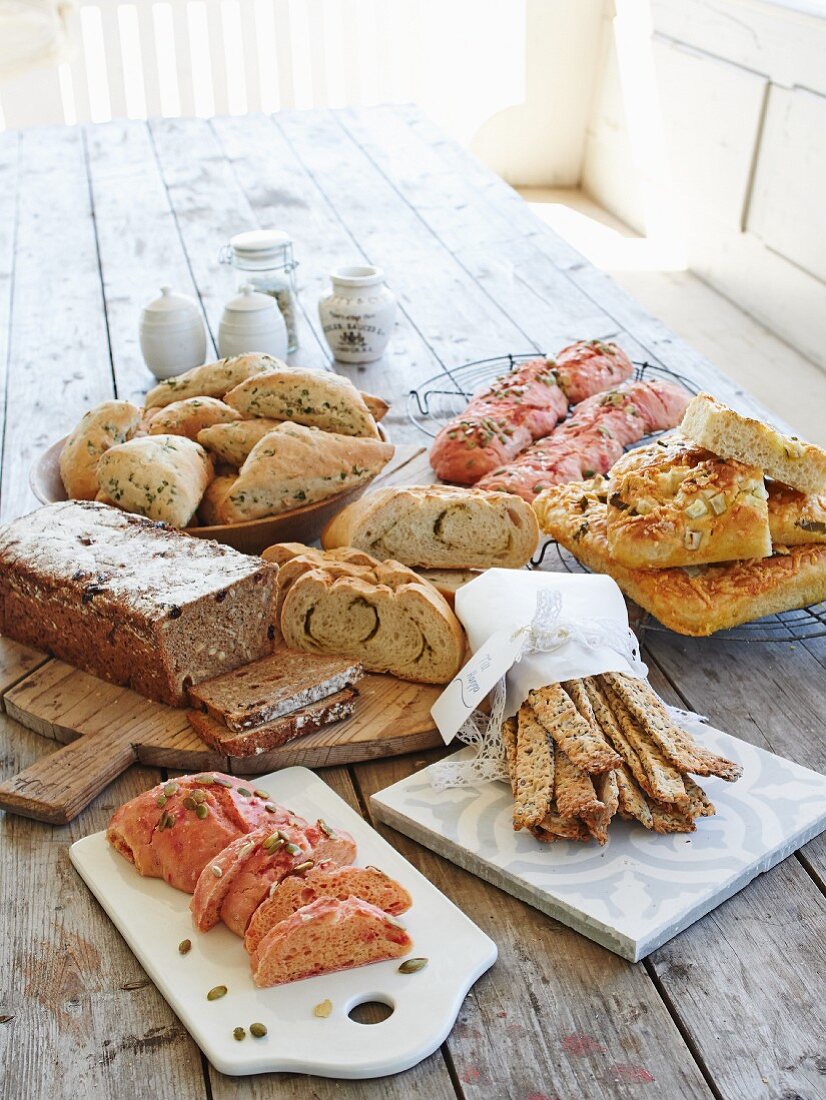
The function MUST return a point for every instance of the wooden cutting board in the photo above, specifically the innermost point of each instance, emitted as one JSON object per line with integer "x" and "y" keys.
{"x": 105, "y": 728}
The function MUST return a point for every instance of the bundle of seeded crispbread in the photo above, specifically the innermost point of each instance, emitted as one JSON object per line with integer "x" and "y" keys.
{"x": 582, "y": 751}
{"x": 263, "y": 705}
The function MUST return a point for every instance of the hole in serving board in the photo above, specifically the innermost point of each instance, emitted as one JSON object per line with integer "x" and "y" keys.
{"x": 371, "y": 1011}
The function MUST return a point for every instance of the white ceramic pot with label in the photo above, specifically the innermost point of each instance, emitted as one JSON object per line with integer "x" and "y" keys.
{"x": 358, "y": 314}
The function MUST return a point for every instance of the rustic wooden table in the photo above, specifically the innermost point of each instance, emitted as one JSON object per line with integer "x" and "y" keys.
{"x": 91, "y": 223}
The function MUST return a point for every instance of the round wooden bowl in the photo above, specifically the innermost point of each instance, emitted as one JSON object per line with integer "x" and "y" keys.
{"x": 303, "y": 524}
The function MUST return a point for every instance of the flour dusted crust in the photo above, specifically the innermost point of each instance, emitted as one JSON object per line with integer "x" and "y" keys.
{"x": 796, "y": 518}
{"x": 295, "y": 465}
{"x": 674, "y": 503}
{"x": 438, "y": 527}
{"x": 699, "y": 600}
{"x": 100, "y": 428}
{"x": 233, "y": 441}
{"x": 130, "y": 600}
{"x": 212, "y": 379}
{"x": 189, "y": 416}
{"x": 727, "y": 433}
{"x": 380, "y": 615}
{"x": 162, "y": 477}
{"x": 318, "y": 399}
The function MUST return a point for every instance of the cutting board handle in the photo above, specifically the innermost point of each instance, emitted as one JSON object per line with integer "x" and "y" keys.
{"x": 57, "y": 787}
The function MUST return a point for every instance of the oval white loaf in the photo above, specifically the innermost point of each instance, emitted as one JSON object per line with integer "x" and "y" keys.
{"x": 100, "y": 428}
{"x": 319, "y": 399}
{"x": 162, "y": 477}
{"x": 438, "y": 527}
{"x": 212, "y": 379}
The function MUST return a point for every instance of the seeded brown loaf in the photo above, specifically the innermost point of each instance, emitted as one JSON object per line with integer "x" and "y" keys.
{"x": 131, "y": 600}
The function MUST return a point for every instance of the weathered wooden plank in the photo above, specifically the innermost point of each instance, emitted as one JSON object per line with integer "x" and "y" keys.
{"x": 8, "y": 222}
{"x": 557, "y": 1015}
{"x": 209, "y": 207}
{"x": 140, "y": 247}
{"x": 58, "y": 349}
{"x": 282, "y": 192}
{"x": 430, "y": 1078}
{"x": 731, "y": 977}
{"x": 80, "y": 1016}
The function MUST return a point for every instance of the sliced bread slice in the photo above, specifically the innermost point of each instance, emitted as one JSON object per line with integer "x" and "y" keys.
{"x": 269, "y": 735}
{"x": 272, "y": 687}
{"x": 326, "y": 879}
{"x": 438, "y": 527}
{"x": 730, "y": 434}
{"x": 328, "y": 935}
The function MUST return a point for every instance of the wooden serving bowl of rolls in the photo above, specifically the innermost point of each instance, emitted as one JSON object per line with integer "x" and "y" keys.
{"x": 246, "y": 451}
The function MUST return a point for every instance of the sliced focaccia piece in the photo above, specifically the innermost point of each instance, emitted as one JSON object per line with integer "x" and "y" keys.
{"x": 729, "y": 434}
{"x": 381, "y": 618}
{"x": 327, "y": 935}
{"x": 682, "y": 505}
{"x": 164, "y": 834}
{"x": 319, "y": 399}
{"x": 212, "y": 379}
{"x": 325, "y": 879}
{"x": 233, "y": 441}
{"x": 795, "y": 518}
{"x": 100, "y": 428}
{"x": 698, "y": 600}
{"x": 190, "y": 416}
{"x": 162, "y": 477}
{"x": 265, "y": 867}
{"x": 295, "y": 465}
{"x": 438, "y": 527}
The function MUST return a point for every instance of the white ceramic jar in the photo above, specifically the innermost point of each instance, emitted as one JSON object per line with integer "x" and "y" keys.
{"x": 252, "y": 322}
{"x": 357, "y": 315}
{"x": 172, "y": 334}
{"x": 266, "y": 258}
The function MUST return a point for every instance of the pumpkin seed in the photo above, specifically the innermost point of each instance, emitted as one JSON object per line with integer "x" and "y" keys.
{"x": 207, "y": 779}
{"x": 293, "y": 849}
{"x": 216, "y": 992}
{"x": 216, "y": 870}
{"x": 184, "y": 947}
{"x": 190, "y": 803}
{"x": 246, "y": 849}
{"x": 160, "y": 800}
{"x": 258, "y": 1030}
{"x": 170, "y": 788}
{"x": 219, "y": 779}
{"x": 325, "y": 828}
{"x": 300, "y": 868}
{"x": 272, "y": 843}
{"x": 261, "y": 794}
{"x": 268, "y": 806}
{"x": 411, "y": 966}
{"x": 202, "y": 811}
{"x": 323, "y": 1009}
{"x": 244, "y": 792}
{"x": 199, "y": 796}
{"x": 239, "y": 1034}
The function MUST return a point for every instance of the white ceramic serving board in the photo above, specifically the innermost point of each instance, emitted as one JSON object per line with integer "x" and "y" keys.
{"x": 641, "y": 889}
{"x": 153, "y": 918}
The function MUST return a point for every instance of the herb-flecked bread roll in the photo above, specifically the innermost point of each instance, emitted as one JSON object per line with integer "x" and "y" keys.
{"x": 162, "y": 477}
{"x": 233, "y": 441}
{"x": 438, "y": 527}
{"x": 212, "y": 379}
{"x": 319, "y": 399}
{"x": 209, "y": 510}
{"x": 100, "y": 428}
{"x": 190, "y": 416}
{"x": 295, "y": 465}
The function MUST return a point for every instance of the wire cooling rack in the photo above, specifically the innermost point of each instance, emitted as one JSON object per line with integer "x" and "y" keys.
{"x": 446, "y": 394}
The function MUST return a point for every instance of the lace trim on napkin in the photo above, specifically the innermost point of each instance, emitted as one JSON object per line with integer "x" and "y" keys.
{"x": 547, "y": 631}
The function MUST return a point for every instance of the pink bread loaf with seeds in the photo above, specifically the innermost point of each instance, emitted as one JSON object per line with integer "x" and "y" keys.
{"x": 164, "y": 834}
{"x": 326, "y": 879}
{"x": 328, "y": 935}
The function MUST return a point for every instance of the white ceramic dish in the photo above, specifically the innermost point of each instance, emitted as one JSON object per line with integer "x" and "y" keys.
{"x": 641, "y": 889}
{"x": 153, "y": 918}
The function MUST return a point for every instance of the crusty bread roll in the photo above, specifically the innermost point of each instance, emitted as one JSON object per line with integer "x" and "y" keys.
{"x": 438, "y": 527}
{"x": 190, "y": 416}
{"x": 159, "y": 476}
{"x": 447, "y": 582}
{"x": 212, "y": 379}
{"x": 100, "y": 428}
{"x": 731, "y": 435}
{"x": 233, "y": 441}
{"x": 378, "y": 407}
{"x": 295, "y": 465}
{"x": 383, "y": 616}
{"x": 210, "y": 508}
{"x": 282, "y": 552}
{"x": 319, "y": 399}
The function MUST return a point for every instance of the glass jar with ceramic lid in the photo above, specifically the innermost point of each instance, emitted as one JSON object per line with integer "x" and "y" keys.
{"x": 266, "y": 258}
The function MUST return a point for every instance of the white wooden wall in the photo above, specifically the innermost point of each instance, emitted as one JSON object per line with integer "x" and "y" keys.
{"x": 742, "y": 91}
{"x": 512, "y": 78}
